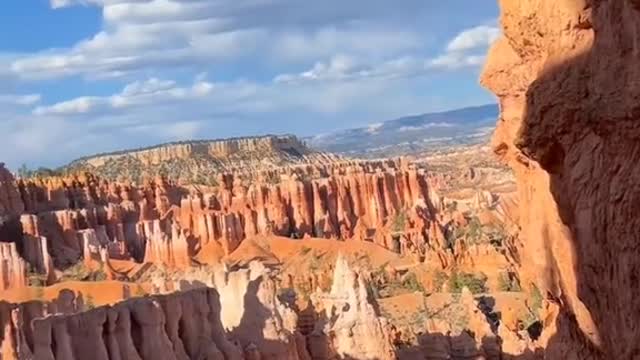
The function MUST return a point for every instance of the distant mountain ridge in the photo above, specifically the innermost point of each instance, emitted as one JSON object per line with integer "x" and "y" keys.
{"x": 199, "y": 161}
{"x": 412, "y": 133}
{"x": 268, "y": 137}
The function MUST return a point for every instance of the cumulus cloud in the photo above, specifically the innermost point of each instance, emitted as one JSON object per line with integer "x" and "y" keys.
{"x": 148, "y": 36}
{"x": 478, "y": 37}
{"x": 208, "y": 98}
{"x": 467, "y": 49}
{"x": 339, "y": 67}
{"x": 139, "y": 35}
{"x": 148, "y": 92}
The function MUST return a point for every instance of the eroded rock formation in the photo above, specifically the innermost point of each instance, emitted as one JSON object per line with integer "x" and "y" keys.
{"x": 353, "y": 328}
{"x": 566, "y": 76}
{"x": 263, "y": 322}
{"x": 178, "y": 326}
{"x": 224, "y": 149}
{"x": 13, "y": 269}
{"x": 199, "y": 161}
{"x": 10, "y": 203}
{"x": 389, "y": 203}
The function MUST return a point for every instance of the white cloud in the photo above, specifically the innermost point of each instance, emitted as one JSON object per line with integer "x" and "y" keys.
{"x": 183, "y": 130}
{"x": 149, "y": 86}
{"x": 339, "y": 67}
{"x": 452, "y": 61}
{"x": 171, "y": 132}
{"x": 56, "y": 4}
{"x": 327, "y": 87}
{"x": 151, "y": 35}
{"x": 467, "y": 49}
{"x": 346, "y": 68}
{"x": 148, "y": 36}
{"x": 138, "y": 93}
{"x": 76, "y": 106}
{"x": 19, "y": 100}
{"x": 222, "y": 97}
{"x": 295, "y": 45}
{"x": 34, "y": 140}
{"x": 478, "y": 37}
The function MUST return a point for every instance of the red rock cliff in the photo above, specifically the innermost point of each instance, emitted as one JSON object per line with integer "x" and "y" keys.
{"x": 179, "y": 326}
{"x": 161, "y": 222}
{"x": 566, "y": 74}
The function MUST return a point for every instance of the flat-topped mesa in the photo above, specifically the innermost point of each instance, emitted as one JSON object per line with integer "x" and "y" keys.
{"x": 566, "y": 74}
{"x": 199, "y": 159}
{"x": 215, "y": 148}
{"x": 287, "y": 143}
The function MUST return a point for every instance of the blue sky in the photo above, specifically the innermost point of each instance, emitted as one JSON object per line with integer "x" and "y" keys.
{"x": 84, "y": 76}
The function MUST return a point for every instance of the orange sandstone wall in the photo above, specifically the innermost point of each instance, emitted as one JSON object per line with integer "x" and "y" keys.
{"x": 567, "y": 77}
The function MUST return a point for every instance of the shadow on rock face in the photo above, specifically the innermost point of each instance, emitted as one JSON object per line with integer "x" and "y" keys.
{"x": 568, "y": 80}
{"x": 11, "y": 229}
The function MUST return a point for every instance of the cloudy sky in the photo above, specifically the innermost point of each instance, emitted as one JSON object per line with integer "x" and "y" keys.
{"x": 84, "y": 76}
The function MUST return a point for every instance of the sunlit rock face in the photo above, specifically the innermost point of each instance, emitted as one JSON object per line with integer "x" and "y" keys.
{"x": 566, "y": 75}
{"x": 177, "y": 326}
{"x": 352, "y": 327}
{"x": 160, "y": 221}
{"x": 254, "y": 316}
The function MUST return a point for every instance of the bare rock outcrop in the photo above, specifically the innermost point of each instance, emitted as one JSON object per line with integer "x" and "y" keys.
{"x": 251, "y": 312}
{"x": 223, "y": 149}
{"x": 13, "y": 269}
{"x": 177, "y": 326}
{"x": 263, "y": 322}
{"x": 202, "y": 159}
{"x": 162, "y": 222}
{"x": 566, "y": 75}
{"x": 10, "y": 202}
{"x": 353, "y": 327}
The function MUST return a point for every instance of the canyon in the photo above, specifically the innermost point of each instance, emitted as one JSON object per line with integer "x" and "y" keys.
{"x": 308, "y": 224}
{"x": 280, "y": 252}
